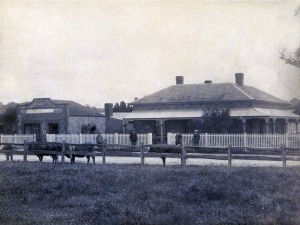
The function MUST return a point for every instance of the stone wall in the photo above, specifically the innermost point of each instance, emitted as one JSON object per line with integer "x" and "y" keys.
{"x": 75, "y": 123}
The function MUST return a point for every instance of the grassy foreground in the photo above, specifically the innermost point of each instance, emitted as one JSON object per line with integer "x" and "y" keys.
{"x": 44, "y": 193}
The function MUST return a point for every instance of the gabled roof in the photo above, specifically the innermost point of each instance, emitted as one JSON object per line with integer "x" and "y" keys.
{"x": 76, "y": 109}
{"x": 207, "y": 93}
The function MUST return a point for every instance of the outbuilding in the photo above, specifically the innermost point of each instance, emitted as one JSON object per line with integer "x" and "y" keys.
{"x": 44, "y": 116}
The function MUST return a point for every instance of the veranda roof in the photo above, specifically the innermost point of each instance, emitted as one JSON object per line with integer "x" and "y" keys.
{"x": 197, "y": 113}
{"x": 263, "y": 112}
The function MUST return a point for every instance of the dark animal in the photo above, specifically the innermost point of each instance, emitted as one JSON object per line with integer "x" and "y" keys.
{"x": 7, "y": 147}
{"x": 55, "y": 147}
{"x": 82, "y": 151}
{"x": 164, "y": 150}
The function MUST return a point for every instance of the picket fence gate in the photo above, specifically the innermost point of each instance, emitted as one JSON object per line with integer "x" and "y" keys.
{"x": 121, "y": 139}
{"x": 291, "y": 140}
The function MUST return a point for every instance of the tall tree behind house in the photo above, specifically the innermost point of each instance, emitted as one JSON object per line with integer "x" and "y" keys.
{"x": 292, "y": 60}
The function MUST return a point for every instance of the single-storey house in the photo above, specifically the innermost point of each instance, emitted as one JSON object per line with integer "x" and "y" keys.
{"x": 181, "y": 106}
{"x": 47, "y": 116}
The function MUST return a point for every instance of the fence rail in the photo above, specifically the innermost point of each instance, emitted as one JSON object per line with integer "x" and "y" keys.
{"x": 206, "y": 140}
{"x": 17, "y": 138}
{"x": 240, "y": 140}
{"x": 165, "y": 151}
{"x": 122, "y": 139}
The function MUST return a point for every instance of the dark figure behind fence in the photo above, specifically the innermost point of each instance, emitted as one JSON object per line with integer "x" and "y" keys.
{"x": 99, "y": 140}
{"x": 178, "y": 139}
{"x": 133, "y": 137}
{"x": 196, "y": 138}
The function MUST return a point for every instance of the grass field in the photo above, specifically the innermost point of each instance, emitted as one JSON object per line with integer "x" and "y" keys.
{"x": 45, "y": 193}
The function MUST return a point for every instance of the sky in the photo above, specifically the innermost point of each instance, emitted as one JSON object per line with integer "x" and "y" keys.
{"x": 94, "y": 52}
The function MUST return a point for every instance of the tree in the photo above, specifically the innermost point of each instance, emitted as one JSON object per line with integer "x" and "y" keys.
{"x": 88, "y": 128}
{"x": 296, "y": 105}
{"x": 123, "y": 106}
{"x": 295, "y": 59}
{"x": 9, "y": 119}
{"x": 129, "y": 108}
{"x": 292, "y": 60}
{"x": 116, "y": 107}
{"x": 216, "y": 121}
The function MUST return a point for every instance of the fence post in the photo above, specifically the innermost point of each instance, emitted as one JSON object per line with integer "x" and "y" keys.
{"x": 283, "y": 155}
{"x": 149, "y": 139}
{"x": 142, "y": 153}
{"x": 116, "y": 138}
{"x": 63, "y": 152}
{"x": 15, "y": 138}
{"x": 103, "y": 151}
{"x": 183, "y": 155}
{"x": 287, "y": 140}
{"x": 1, "y": 138}
{"x": 80, "y": 138}
{"x": 7, "y": 156}
{"x": 25, "y": 151}
{"x": 206, "y": 140}
{"x": 245, "y": 140}
{"x": 229, "y": 155}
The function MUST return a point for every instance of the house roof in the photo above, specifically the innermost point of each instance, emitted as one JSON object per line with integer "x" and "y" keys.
{"x": 208, "y": 92}
{"x": 76, "y": 109}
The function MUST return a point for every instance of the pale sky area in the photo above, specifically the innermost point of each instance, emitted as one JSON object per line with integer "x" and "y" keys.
{"x": 96, "y": 52}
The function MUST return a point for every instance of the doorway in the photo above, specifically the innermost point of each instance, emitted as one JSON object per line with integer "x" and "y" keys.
{"x": 33, "y": 128}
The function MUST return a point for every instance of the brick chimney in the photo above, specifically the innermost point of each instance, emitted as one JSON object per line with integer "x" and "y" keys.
{"x": 179, "y": 80}
{"x": 239, "y": 79}
{"x": 108, "y": 109}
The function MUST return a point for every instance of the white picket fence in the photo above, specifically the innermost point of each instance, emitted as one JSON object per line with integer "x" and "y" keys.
{"x": 241, "y": 140}
{"x": 291, "y": 140}
{"x": 122, "y": 139}
{"x": 17, "y": 138}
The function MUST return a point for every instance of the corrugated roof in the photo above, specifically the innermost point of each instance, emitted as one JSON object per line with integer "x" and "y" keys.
{"x": 262, "y": 112}
{"x": 76, "y": 109}
{"x": 208, "y": 92}
{"x": 164, "y": 114}
{"x": 197, "y": 113}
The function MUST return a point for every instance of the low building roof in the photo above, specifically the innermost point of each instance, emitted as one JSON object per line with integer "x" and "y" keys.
{"x": 208, "y": 92}
{"x": 76, "y": 109}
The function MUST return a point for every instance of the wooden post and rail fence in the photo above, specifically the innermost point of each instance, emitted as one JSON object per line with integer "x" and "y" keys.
{"x": 162, "y": 151}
